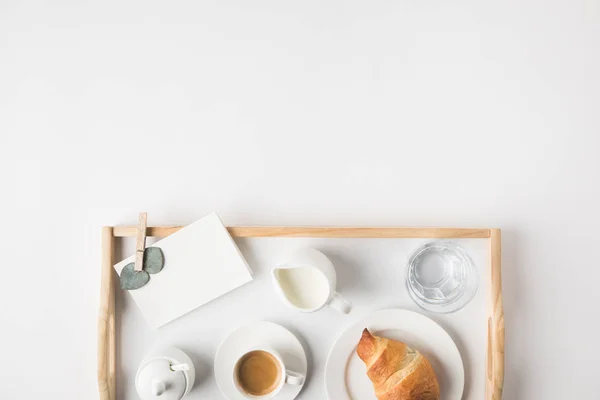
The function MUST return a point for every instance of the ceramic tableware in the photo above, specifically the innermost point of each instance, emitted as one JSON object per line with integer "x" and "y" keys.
{"x": 345, "y": 372}
{"x": 259, "y": 335}
{"x": 166, "y": 374}
{"x": 307, "y": 281}
{"x": 282, "y": 376}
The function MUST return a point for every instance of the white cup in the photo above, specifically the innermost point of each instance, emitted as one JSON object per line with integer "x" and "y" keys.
{"x": 285, "y": 376}
{"x": 307, "y": 281}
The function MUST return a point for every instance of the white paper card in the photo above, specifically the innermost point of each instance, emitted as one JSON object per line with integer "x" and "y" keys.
{"x": 202, "y": 263}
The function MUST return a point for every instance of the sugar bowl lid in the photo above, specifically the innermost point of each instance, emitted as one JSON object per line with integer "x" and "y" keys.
{"x": 162, "y": 379}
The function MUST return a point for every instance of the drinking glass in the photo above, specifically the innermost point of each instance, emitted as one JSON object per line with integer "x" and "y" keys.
{"x": 441, "y": 277}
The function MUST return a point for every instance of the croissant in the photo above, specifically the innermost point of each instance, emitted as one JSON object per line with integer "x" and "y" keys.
{"x": 397, "y": 371}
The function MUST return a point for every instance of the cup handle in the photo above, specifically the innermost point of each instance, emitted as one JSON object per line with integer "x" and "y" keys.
{"x": 339, "y": 303}
{"x": 293, "y": 378}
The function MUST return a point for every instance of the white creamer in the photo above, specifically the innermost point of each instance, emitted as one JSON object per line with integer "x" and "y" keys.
{"x": 304, "y": 287}
{"x": 307, "y": 282}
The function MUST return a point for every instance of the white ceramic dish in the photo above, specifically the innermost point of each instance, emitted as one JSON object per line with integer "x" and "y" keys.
{"x": 306, "y": 282}
{"x": 259, "y": 334}
{"x": 345, "y": 373}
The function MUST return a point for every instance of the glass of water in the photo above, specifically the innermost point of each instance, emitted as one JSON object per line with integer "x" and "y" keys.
{"x": 441, "y": 277}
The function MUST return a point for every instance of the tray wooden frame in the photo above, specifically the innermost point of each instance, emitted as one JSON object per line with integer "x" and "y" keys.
{"x": 495, "y": 312}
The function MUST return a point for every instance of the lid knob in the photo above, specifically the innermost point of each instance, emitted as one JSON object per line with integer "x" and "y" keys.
{"x": 158, "y": 387}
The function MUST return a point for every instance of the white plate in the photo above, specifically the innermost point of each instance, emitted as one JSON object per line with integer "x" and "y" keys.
{"x": 345, "y": 373}
{"x": 258, "y": 334}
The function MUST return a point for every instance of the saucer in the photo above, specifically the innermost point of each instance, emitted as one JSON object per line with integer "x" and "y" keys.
{"x": 258, "y": 334}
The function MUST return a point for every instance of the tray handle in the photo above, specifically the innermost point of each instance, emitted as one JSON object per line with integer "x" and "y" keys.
{"x": 495, "y": 346}
{"x": 106, "y": 321}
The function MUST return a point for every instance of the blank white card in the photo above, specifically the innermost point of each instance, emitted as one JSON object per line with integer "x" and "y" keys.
{"x": 202, "y": 263}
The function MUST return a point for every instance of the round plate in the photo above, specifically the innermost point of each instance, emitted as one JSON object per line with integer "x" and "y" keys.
{"x": 259, "y": 334}
{"x": 345, "y": 373}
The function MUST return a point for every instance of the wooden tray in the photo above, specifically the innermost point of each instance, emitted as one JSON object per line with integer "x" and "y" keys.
{"x": 495, "y": 312}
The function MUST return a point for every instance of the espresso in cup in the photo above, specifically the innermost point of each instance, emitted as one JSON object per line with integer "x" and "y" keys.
{"x": 261, "y": 374}
{"x": 258, "y": 373}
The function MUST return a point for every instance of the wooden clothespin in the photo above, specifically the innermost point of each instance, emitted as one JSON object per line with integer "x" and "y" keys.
{"x": 140, "y": 243}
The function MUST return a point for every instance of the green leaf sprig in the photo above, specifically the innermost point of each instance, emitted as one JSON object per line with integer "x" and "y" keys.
{"x": 154, "y": 261}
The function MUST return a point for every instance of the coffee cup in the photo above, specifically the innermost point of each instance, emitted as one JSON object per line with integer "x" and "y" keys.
{"x": 261, "y": 374}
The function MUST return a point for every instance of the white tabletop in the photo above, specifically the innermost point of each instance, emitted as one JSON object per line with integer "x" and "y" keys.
{"x": 462, "y": 113}
{"x": 370, "y": 275}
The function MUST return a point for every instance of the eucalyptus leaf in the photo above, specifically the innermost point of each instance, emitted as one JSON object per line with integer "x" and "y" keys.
{"x": 132, "y": 279}
{"x": 154, "y": 260}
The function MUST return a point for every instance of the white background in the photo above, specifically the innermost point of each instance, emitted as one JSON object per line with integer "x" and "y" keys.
{"x": 453, "y": 113}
